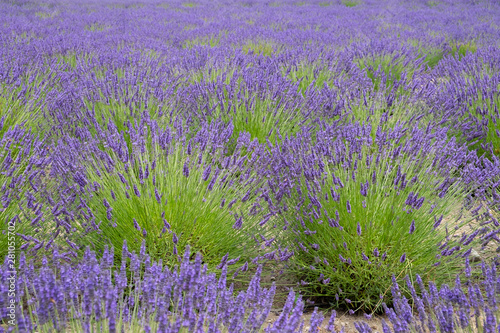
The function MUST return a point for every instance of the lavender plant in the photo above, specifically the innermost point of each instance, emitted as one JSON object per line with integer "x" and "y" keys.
{"x": 23, "y": 105}
{"x": 171, "y": 194}
{"x": 365, "y": 210}
{"x": 308, "y": 74}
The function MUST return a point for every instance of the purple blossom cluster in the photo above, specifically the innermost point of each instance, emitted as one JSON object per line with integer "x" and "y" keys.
{"x": 93, "y": 293}
{"x": 464, "y": 306}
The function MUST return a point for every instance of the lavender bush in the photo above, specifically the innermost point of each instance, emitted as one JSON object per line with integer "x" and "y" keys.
{"x": 170, "y": 194}
{"x": 365, "y": 210}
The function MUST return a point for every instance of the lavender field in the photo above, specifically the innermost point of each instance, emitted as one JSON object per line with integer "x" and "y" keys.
{"x": 202, "y": 166}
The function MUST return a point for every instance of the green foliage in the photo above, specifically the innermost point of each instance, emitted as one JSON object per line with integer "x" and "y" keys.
{"x": 433, "y": 56}
{"x": 260, "y": 47}
{"x": 350, "y": 3}
{"x": 24, "y": 105}
{"x": 189, "y": 27}
{"x": 384, "y": 223}
{"x": 163, "y": 5}
{"x": 261, "y": 117}
{"x": 432, "y": 3}
{"x": 213, "y": 74}
{"x": 18, "y": 149}
{"x": 45, "y": 15}
{"x": 459, "y": 50}
{"x": 72, "y": 59}
{"x": 190, "y": 4}
{"x": 377, "y": 113}
{"x": 212, "y": 41}
{"x": 325, "y": 4}
{"x": 97, "y": 27}
{"x": 308, "y": 73}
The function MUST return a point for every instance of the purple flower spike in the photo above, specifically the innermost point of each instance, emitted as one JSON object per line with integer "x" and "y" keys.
{"x": 412, "y": 227}
{"x": 136, "y": 225}
{"x": 403, "y": 258}
{"x": 136, "y": 191}
{"x": 358, "y": 229}
{"x": 166, "y": 224}
{"x": 185, "y": 170}
{"x": 158, "y": 196}
{"x": 348, "y": 207}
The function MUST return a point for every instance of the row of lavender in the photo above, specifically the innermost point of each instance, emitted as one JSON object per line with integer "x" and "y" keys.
{"x": 93, "y": 295}
{"x": 331, "y": 148}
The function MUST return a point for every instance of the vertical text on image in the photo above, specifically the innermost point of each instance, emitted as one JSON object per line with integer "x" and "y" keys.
{"x": 12, "y": 273}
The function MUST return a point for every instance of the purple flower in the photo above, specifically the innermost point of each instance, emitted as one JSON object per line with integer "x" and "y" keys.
{"x": 136, "y": 225}
{"x": 348, "y": 207}
{"x": 223, "y": 261}
{"x": 206, "y": 172}
{"x": 158, "y": 196}
{"x": 412, "y": 227}
{"x": 122, "y": 178}
{"x": 136, "y": 191}
{"x": 403, "y": 258}
{"x": 185, "y": 170}
{"x": 239, "y": 222}
{"x": 166, "y": 224}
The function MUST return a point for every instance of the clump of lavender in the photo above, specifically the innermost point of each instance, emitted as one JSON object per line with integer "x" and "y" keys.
{"x": 170, "y": 191}
{"x": 362, "y": 211}
{"x": 94, "y": 294}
